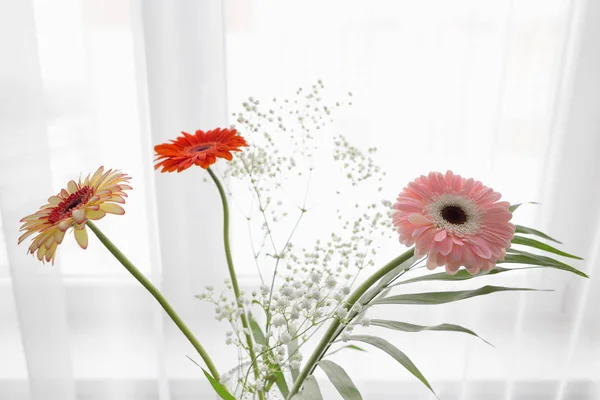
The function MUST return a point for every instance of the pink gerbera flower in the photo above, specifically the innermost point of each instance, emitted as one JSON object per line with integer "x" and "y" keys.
{"x": 454, "y": 221}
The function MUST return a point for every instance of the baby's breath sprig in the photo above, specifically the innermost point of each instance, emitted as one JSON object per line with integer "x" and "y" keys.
{"x": 310, "y": 279}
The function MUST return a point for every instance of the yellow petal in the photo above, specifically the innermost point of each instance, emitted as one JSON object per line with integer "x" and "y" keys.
{"x": 116, "y": 199}
{"x": 49, "y": 241}
{"x": 96, "y": 176}
{"x": 25, "y": 236}
{"x": 95, "y": 214}
{"x": 112, "y": 208}
{"x": 64, "y": 225}
{"x": 72, "y": 187}
{"x": 79, "y": 215}
{"x": 58, "y": 236}
{"x": 81, "y": 237}
{"x": 54, "y": 200}
{"x": 50, "y": 253}
{"x": 40, "y": 253}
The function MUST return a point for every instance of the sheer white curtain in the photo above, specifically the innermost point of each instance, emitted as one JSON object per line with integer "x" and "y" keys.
{"x": 505, "y": 91}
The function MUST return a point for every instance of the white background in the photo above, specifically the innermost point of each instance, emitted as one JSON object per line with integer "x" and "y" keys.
{"x": 503, "y": 91}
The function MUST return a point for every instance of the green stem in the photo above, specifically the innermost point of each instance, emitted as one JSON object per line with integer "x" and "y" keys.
{"x": 232, "y": 275}
{"x": 157, "y": 295}
{"x": 329, "y": 336}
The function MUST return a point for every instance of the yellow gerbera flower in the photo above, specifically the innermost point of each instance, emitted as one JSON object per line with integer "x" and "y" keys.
{"x": 90, "y": 199}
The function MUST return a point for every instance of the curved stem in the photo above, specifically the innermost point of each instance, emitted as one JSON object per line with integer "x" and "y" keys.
{"x": 232, "y": 275}
{"x": 328, "y": 337}
{"x": 157, "y": 295}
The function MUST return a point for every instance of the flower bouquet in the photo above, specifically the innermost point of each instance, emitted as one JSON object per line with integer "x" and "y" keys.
{"x": 317, "y": 288}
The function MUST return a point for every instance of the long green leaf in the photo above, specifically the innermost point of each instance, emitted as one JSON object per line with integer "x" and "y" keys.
{"x": 530, "y": 231}
{"x": 406, "y": 327}
{"x": 399, "y": 356}
{"x": 259, "y": 337}
{"x": 350, "y": 346}
{"x": 515, "y": 256}
{"x": 257, "y": 333}
{"x": 433, "y": 298}
{"x": 220, "y": 389}
{"x": 515, "y": 206}
{"x": 525, "y": 241}
{"x": 310, "y": 390}
{"x": 461, "y": 275}
{"x": 340, "y": 380}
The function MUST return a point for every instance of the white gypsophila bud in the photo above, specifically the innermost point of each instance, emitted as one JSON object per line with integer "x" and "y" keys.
{"x": 331, "y": 282}
{"x": 358, "y": 307}
{"x": 246, "y": 331}
{"x": 281, "y": 350}
{"x": 254, "y": 293}
{"x": 279, "y": 358}
{"x": 228, "y": 333}
{"x": 315, "y": 293}
{"x": 265, "y": 290}
{"x": 285, "y": 338}
{"x": 350, "y": 328}
{"x": 278, "y": 321}
{"x": 238, "y": 313}
{"x": 282, "y": 302}
{"x": 318, "y": 314}
{"x": 305, "y": 304}
{"x": 259, "y": 348}
{"x": 295, "y": 364}
{"x": 346, "y": 290}
{"x": 315, "y": 277}
{"x": 289, "y": 291}
{"x": 342, "y": 312}
{"x": 269, "y": 333}
{"x": 365, "y": 322}
{"x": 298, "y": 284}
{"x": 295, "y": 313}
{"x": 345, "y": 336}
{"x": 228, "y": 340}
{"x": 338, "y": 296}
{"x": 260, "y": 385}
{"x": 209, "y": 288}
{"x": 263, "y": 368}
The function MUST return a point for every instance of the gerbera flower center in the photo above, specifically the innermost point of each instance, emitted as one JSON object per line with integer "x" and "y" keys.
{"x": 457, "y": 214}
{"x": 454, "y": 214}
{"x": 202, "y": 148}
{"x": 65, "y": 208}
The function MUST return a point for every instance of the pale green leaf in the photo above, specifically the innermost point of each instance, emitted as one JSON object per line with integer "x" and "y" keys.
{"x": 525, "y": 241}
{"x": 340, "y": 380}
{"x": 310, "y": 390}
{"x": 515, "y": 256}
{"x": 220, "y": 389}
{"x": 530, "y": 231}
{"x": 433, "y": 298}
{"x": 461, "y": 275}
{"x": 406, "y": 327}
{"x": 350, "y": 346}
{"x": 515, "y": 206}
{"x": 395, "y": 353}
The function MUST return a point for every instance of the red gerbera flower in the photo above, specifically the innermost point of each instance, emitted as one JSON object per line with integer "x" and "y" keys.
{"x": 202, "y": 149}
